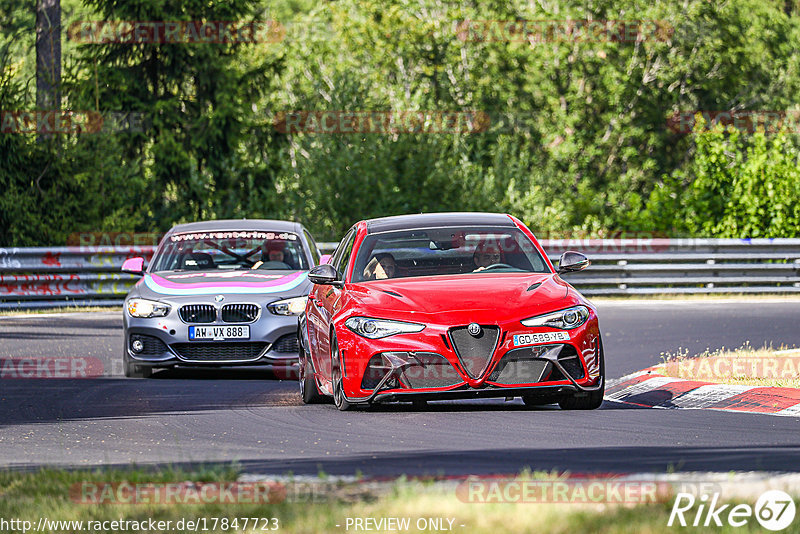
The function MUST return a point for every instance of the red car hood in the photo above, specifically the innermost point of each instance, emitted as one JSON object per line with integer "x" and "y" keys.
{"x": 463, "y": 298}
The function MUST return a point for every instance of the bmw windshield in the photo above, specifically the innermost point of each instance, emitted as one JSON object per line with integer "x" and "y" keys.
{"x": 209, "y": 251}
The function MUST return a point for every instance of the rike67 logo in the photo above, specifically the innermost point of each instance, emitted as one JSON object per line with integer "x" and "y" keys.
{"x": 774, "y": 510}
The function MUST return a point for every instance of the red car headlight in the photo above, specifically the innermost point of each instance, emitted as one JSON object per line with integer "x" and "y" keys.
{"x": 377, "y": 328}
{"x": 563, "y": 319}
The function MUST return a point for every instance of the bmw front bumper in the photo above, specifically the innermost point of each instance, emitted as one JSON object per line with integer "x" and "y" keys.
{"x": 165, "y": 342}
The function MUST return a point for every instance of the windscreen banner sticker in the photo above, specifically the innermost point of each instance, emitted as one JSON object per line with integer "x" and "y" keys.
{"x": 203, "y": 236}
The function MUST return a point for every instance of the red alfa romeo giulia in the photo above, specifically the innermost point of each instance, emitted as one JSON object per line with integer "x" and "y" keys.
{"x": 448, "y": 306}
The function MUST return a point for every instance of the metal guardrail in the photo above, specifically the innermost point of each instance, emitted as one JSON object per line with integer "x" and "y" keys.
{"x": 684, "y": 266}
{"x": 90, "y": 276}
{"x": 66, "y": 276}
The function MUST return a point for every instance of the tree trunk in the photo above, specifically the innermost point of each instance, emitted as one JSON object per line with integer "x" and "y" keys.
{"x": 48, "y": 56}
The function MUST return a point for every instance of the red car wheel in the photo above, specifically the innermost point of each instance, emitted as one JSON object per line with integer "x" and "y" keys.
{"x": 336, "y": 377}
{"x": 308, "y": 386}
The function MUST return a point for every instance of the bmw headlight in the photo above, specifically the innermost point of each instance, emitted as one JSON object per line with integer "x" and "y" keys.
{"x": 293, "y": 306}
{"x": 378, "y": 328}
{"x": 564, "y": 319}
{"x": 143, "y": 308}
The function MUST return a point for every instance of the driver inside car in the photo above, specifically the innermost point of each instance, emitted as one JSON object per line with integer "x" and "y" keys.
{"x": 486, "y": 256}
{"x": 273, "y": 256}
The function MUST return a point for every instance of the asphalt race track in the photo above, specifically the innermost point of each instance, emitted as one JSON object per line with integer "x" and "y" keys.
{"x": 251, "y": 417}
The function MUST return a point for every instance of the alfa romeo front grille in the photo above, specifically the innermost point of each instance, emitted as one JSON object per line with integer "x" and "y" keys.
{"x": 219, "y": 352}
{"x": 239, "y": 313}
{"x": 474, "y": 352}
{"x": 525, "y": 365}
{"x": 198, "y": 313}
{"x": 433, "y": 371}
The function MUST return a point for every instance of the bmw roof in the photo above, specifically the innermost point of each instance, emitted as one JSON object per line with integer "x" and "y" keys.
{"x": 237, "y": 224}
{"x": 433, "y": 220}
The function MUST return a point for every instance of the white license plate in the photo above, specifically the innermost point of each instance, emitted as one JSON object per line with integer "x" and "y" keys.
{"x": 219, "y": 333}
{"x": 540, "y": 338}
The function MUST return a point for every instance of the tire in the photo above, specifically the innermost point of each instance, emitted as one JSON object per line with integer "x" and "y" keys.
{"x": 308, "y": 386}
{"x": 336, "y": 378}
{"x": 594, "y": 399}
{"x": 133, "y": 370}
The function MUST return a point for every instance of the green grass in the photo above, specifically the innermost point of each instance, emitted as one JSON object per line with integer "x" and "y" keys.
{"x": 47, "y": 493}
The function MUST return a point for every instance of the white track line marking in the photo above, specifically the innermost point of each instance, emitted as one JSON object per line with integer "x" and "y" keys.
{"x": 791, "y": 411}
{"x": 597, "y": 301}
{"x": 705, "y": 396}
{"x": 616, "y": 381}
{"x": 789, "y": 351}
{"x": 641, "y": 387}
{"x": 702, "y": 397}
{"x": 50, "y": 315}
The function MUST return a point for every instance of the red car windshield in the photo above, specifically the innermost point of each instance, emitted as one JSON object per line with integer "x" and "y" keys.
{"x": 446, "y": 251}
{"x": 208, "y": 251}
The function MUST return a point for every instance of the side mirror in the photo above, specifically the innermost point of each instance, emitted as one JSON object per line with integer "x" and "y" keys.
{"x": 324, "y": 275}
{"x": 325, "y": 258}
{"x": 571, "y": 262}
{"x": 133, "y": 266}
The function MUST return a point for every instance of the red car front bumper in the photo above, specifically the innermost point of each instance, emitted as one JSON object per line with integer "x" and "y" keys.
{"x": 441, "y": 362}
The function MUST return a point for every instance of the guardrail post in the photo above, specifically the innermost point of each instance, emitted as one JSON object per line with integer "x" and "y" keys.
{"x": 623, "y": 274}
{"x": 714, "y": 273}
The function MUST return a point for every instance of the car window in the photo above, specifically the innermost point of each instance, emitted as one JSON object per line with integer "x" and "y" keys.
{"x": 337, "y": 252}
{"x": 315, "y": 254}
{"x": 205, "y": 251}
{"x": 447, "y": 251}
{"x": 340, "y": 262}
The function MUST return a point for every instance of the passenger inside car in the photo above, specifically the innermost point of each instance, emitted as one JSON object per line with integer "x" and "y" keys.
{"x": 380, "y": 267}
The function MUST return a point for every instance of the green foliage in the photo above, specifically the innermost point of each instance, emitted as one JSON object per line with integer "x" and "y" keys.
{"x": 588, "y": 140}
{"x": 578, "y": 138}
{"x": 198, "y": 99}
{"x": 735, "y": 186}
